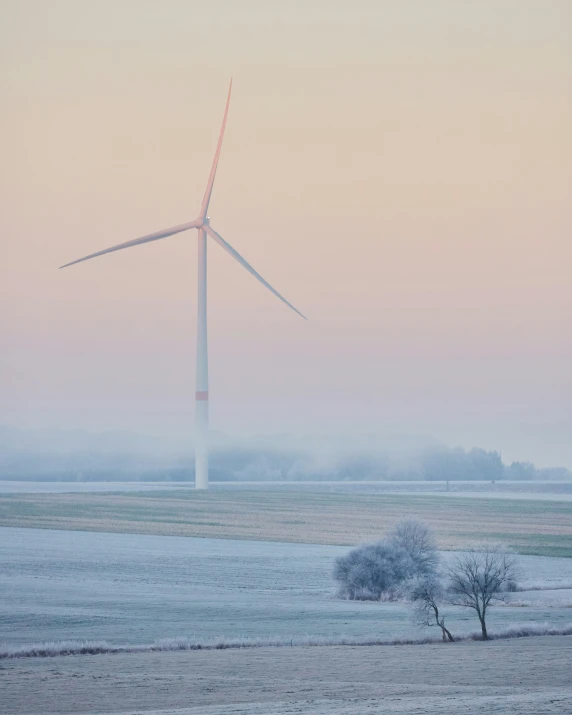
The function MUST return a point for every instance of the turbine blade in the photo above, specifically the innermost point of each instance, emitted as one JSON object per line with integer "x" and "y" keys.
{"x": 209, "y": 189}
{"x": 227, "y": 247}
{"x": 136, "y": 241}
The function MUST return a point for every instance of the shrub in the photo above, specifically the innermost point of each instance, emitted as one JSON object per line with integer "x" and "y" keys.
{"x": 375, "y": 571}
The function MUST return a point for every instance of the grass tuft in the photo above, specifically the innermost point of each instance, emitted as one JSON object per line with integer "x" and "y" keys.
{"x": 52, "y": 649}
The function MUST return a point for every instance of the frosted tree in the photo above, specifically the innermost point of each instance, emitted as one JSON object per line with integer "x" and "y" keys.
{"x": 427, "y": 594}
{"x": 372, "y": 571}
{"x": 418, "y": 541}
{"x": 481, "y": 577}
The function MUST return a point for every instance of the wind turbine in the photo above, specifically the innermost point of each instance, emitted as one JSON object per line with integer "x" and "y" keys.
{"x": 202, "y": 224}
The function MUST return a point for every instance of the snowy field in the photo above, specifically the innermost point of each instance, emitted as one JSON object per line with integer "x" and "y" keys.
{"x": 133, "y": 589}
{"x": 515, "y": 677}
{"x": 137, "y": 589}
{"x": 560, "y": 491}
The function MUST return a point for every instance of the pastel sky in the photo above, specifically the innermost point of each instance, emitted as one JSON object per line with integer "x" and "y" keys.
{"x": 400, "y": 170}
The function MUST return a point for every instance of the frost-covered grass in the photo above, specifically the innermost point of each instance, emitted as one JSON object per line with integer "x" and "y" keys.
{"x": 136, "y": 589}
{"x": 553, "y": 584}
{"x": 523, "y": 603}
{"x": 59, "y": 648}
{"x": 55, "y": 648}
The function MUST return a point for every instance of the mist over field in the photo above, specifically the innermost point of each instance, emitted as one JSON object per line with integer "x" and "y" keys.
{"x": 77, "y": 455}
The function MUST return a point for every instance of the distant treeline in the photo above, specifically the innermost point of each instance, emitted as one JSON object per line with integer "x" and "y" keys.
{"x": 264, "y": 464}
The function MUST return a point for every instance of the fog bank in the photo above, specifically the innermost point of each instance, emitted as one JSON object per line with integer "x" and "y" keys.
{"x": 76, "y": 455}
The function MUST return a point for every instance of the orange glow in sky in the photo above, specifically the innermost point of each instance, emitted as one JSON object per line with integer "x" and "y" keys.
{"x": 400, "y": 171}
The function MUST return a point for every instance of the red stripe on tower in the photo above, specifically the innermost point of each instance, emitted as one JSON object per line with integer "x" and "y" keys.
{"x": 202, "y": 395}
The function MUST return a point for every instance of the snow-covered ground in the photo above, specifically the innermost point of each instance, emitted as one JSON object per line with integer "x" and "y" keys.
{"x": 504, "y": 489}
{"x": 530, "y": 676}
{"x": 129, "y": 588}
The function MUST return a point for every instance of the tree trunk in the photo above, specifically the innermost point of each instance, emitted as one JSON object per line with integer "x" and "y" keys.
{"x": 449, "y": 636}
{"x": 484, "y": 630}
{"x": 445, "y": 631}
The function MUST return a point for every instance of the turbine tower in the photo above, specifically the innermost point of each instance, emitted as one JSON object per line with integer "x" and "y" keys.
{"x": 202, "y": 224}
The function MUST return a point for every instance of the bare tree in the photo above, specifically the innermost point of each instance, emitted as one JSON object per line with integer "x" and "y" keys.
{"x": 481, "y": 577}
{"x": 426, "y": 595}
{"x": 418, "y": 541}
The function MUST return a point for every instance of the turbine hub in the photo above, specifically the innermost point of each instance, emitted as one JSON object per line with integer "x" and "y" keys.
{"x": 206, "y": 221}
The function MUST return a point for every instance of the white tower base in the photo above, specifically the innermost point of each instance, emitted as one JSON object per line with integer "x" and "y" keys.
{"x": 202, "y": 382}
